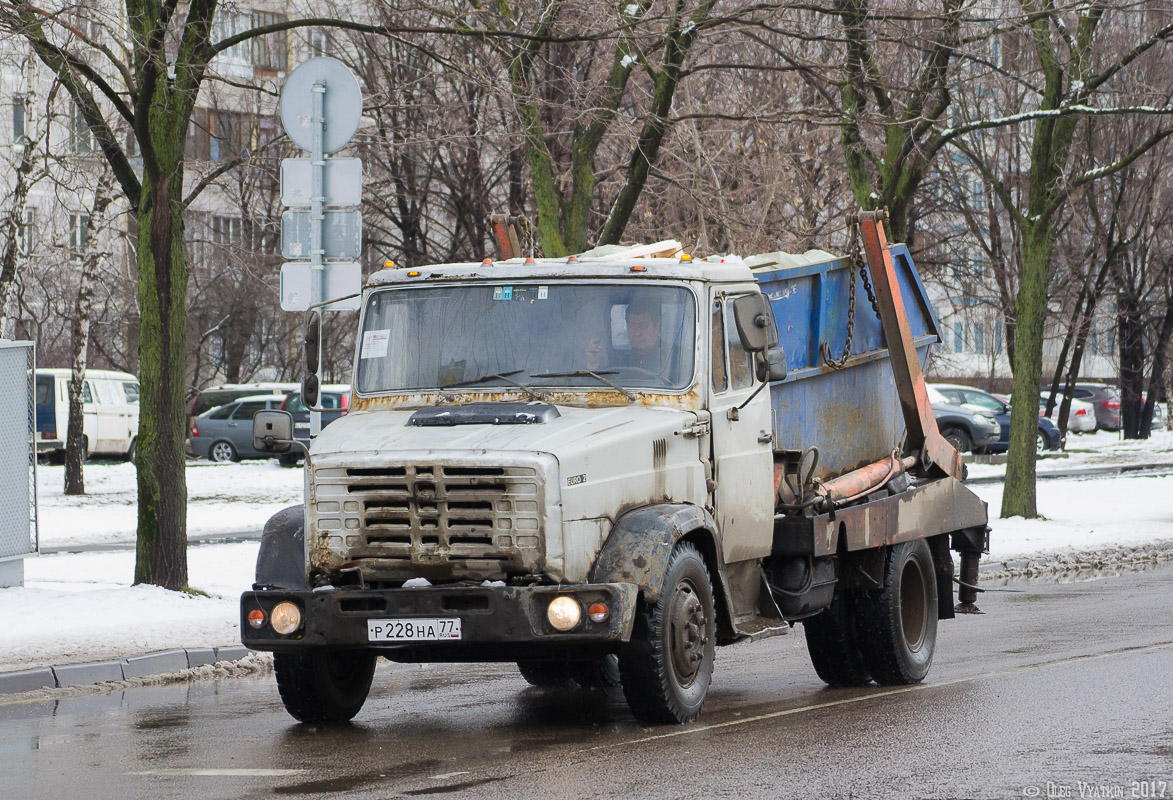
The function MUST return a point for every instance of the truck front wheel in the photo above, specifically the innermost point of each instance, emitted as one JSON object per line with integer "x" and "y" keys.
{"x": 897, "y": 624}
{"x": 667, "y": 666}
{"x": 832, "y": 644}
{"x": 324, "y": 687}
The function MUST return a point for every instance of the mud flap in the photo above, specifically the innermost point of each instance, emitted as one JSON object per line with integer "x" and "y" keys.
{"x": 281, "y": 560}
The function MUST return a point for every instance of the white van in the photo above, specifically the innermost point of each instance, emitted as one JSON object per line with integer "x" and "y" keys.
{"x": 109, "y": 411}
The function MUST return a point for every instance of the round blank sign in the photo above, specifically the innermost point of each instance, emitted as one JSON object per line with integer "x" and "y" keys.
{"x": 342, "y": 106}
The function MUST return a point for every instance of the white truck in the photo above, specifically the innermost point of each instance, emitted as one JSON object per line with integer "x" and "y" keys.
{"x": 603, "y": 467}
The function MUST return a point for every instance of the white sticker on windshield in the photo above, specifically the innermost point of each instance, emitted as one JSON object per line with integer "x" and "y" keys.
{"x": 374, "y": 343}
{"x": 543, "y": 292}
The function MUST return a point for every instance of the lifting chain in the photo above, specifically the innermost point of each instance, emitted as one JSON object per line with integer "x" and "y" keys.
{"x": 858, "y": 265}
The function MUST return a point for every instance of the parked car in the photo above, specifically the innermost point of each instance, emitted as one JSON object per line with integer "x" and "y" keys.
{"x": 1047, "y": 438}
{"x": 1081, "y": 418}
{"x": 1106, "y": 401}
{"x": 334, "y": 397}
{"x": 109, "y": 412}
{"x": 965, "y": 428}
{"x": 226, "y": 433}
{"x": 216, "y": 396}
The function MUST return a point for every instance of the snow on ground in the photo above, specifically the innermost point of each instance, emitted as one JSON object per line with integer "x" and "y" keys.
{"x": 221, "y": 498}
{"x": 82, "y": 607}
{"x": 1099, "y": 449}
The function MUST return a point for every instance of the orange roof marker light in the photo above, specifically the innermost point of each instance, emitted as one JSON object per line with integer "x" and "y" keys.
{"x": 685, "y": 257}
{"x": 639, "y": 268}
{"x": 388, "y": 264}
{"x": 415, "y": 273}
{"x": 487, "y": 261}
{"x": 530, "y": 260}
{"x": 572, "y": 260}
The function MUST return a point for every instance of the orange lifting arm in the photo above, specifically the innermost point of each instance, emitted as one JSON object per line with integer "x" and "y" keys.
{"x": 923, "y": 434}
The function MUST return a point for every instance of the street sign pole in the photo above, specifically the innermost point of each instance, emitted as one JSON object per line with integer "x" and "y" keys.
{"x": 321, "y": 124}
{"x": 317, "y": 198}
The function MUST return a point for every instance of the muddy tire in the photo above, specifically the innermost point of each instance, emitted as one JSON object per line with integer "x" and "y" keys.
{"x": 324, "y": 687}
{"x": 897, "y": 624}
{"x": 833, "y": 645}
{"x": 667, "y": 666}
{"x": 549, "y": 674}
{"x": 601, "y": 673}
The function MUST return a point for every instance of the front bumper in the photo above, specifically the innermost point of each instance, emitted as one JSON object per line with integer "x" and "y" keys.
{"x": 497, "y": 623}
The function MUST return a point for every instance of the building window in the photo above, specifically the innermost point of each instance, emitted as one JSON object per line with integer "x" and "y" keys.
{"x": 958, "y": 337}
{"x": 320, "y": 44}
{"x": 80, "y": 135}
{"x": 998, "y": 338}
{"x": 979, "y": 338}
{"x": 28, "y": 231}
{"x": 230, "y": 23}
{"x": 226, "y": 231}
{"x": 79, "y": 231}
{"x": 19, "y": 120}
{"x": 269, "y": 51}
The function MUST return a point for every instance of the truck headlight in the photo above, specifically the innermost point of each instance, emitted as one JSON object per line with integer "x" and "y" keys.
{"x": 285, "y": 618}
{"x": 564, "y": 613}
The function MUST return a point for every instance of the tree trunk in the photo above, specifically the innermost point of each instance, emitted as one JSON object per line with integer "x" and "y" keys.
{"x": 12, "y": 228}
{"x": 162, "y": 485}
{"x": 1131, "y": 335}
{"x": 76, "y": 445}
{"x": 1018, "y": 496}
{"x": 1157, "y": 376}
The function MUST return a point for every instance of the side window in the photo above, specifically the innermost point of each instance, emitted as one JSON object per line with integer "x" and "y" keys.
{"x": 951, "y": 396}
{"x": 984, "y": 401}
{"x": 294, "y": 405}
{"x": 224, "y": 412}
{"x": 720, "y": 374}
{"x": 245, "y": 411}
{"x": 740, "y": 359}
{"x": 86, "y": 395}
{"x": 131, "y": 392}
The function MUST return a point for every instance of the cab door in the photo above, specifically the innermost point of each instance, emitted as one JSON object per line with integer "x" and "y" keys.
{"x": 742, "y": 440}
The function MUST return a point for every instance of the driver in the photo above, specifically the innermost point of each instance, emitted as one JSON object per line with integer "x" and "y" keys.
{"x": 643, "y": 333}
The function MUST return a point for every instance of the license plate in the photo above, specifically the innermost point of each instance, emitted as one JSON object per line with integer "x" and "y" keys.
{"x": 302, "y": 426}
{"x": 413, "y": 630}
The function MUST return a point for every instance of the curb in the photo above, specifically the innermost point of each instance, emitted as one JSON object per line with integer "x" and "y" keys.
{"x": 128, "y": 668}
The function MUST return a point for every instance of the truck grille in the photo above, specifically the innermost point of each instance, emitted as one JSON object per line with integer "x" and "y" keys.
{"x": 442, "y": 520}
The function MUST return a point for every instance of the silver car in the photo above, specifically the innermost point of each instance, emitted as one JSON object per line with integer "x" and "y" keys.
{"x": 226, "y": 433}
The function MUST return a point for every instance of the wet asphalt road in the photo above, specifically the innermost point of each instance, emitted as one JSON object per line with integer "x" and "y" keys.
{"x": 1059, "y": 690}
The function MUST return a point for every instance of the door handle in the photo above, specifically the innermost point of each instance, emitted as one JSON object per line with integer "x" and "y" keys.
{"x": 766, "y": 438}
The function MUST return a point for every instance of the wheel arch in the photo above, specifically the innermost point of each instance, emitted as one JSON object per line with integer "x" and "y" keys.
{"x": 641, "y": 543}
{"x": 281, "y": 558}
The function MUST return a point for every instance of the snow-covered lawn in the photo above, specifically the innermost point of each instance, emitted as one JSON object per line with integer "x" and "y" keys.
{"x": 1099, "y": 449}
{"x": 221, "y": 498}
{"x": 81, "y": 607}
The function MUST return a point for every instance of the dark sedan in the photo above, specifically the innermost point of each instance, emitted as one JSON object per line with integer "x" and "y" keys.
{"x": 1047, "y": 438}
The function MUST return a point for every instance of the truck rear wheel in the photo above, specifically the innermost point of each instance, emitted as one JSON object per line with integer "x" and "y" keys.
{"x": 324, "y": 687}
{"x": 832, "y": 642}
{"x": 897, "y": 624}
{"x": 667, "y": 666}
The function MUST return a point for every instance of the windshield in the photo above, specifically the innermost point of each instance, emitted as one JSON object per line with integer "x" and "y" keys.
{"x": 532, "y": 334}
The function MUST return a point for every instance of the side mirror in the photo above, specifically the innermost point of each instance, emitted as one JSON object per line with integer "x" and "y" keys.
{"x": 313, "y": 342}
{"x": 772, "y": 365}
{"x": 755, "y": 323}
{"x": 310, "y": 389}
{"x": 272, "y": 431}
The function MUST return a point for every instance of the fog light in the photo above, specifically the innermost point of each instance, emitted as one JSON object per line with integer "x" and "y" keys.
{"x": 286, "y": 618}
{"x": 564, "y": 613}
{"x": 256, "y": 618}
{"x": 598, "y": 612}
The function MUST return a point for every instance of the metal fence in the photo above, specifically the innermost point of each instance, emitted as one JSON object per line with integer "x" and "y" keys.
{"x": 18, "y": 451}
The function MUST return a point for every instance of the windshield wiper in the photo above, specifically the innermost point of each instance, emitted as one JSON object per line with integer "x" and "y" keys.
{"x": 501, "y": 376}
{"x": 584, "y": 373}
